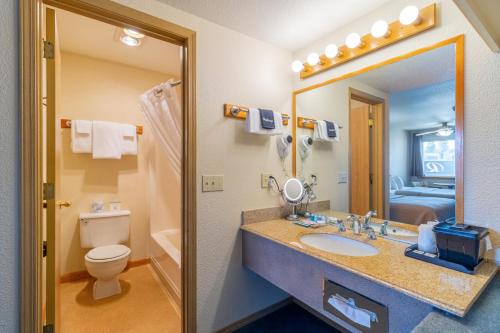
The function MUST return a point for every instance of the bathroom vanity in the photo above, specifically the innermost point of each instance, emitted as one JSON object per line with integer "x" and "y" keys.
{"x": 405, "y": 289}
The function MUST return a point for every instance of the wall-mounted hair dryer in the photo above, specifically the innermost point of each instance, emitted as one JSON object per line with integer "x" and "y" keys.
{"x": 305, "y": 146}
{"x": 283, "y": 144}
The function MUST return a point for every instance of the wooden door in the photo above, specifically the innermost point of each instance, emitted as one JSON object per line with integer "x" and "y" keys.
{"x": 359, "y": 140}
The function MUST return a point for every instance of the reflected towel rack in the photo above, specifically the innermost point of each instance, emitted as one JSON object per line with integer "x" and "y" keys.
{"x": 66, "y": 123}
{"x": 240, "y": 112}
{"x": 304, "y": 122}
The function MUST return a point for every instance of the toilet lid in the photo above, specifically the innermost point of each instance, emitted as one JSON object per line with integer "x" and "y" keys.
{"x": 107, "y": 252}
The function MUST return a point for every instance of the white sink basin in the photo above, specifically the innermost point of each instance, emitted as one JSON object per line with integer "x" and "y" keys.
{"x": 339, "y": 245}
{"x": 395, "y": 231}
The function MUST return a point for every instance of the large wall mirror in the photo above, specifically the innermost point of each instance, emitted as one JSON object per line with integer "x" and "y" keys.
{"x": 388, "y": 137}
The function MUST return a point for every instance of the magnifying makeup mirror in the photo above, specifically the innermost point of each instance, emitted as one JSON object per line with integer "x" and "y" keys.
{"x": 293, "y": 193}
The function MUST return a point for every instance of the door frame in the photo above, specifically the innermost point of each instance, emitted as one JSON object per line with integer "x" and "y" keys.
{"x": 382, "y": 157}
{"x": 31, "y": 145}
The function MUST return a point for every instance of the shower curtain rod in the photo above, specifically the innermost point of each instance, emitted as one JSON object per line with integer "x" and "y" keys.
{"x": 172, "y": 84}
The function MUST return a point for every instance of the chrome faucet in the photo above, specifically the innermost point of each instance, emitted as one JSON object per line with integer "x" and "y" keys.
{"x": 368, "y": 219}
{"x": 371, "y": 233}
{"x": 341, "y": 226}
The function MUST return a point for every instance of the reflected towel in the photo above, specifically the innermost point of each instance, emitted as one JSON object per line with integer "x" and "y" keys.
{"x": 321, "y": 132}
{"x": 81, "y": 136}
{"x": 107, "y": 140}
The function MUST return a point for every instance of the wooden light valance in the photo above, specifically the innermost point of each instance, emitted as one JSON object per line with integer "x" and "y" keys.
{"x": 397, "y": 31}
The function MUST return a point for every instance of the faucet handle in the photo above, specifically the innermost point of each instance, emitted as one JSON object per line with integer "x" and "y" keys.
{"x": 341, "y": 226}
{"x": 383, "y": 228}
{"x": 371, "y": 234}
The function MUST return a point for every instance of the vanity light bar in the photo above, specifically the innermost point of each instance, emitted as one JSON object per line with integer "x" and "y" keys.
{"x": 240, "y": 112}
{"x": 308, "y": 123}
{"x": 411, "y": 21}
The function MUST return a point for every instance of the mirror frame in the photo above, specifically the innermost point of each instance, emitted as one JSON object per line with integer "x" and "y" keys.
{"x": 459, "y": 110}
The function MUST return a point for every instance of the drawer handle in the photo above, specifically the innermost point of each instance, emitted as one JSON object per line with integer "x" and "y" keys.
{"x": 334, "y": 299}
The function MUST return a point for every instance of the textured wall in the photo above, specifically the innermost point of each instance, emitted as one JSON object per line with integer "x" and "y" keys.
{"x": 482, "y": 96}
{"x": 9, "y": 164}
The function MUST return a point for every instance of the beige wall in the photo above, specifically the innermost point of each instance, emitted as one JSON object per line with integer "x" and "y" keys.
{"x": 231, "y": 68}
{"x": 100, "y": 90}
{"x": 328, "y": 159}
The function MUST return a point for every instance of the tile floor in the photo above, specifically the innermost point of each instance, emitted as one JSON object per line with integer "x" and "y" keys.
{"x": 143, "y": 306}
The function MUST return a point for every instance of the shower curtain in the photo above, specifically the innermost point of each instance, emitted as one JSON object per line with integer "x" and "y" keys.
{"x": 163, "y": 114}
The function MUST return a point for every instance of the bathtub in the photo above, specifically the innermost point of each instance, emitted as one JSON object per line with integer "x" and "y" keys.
{"x": 166, "y": 258}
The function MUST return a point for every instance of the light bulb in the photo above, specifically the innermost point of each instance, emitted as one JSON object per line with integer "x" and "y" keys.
{"x": 331, "y": 51}
{"x": 409, "y": 15}
{"x": 313, "y": 59}
{"x": 130, "y": 41}
{"x": 133, "y": 33}
{"x": 353, "y": 40}
{"x": 380, "y": 29}
{"x": 297, "y": 66}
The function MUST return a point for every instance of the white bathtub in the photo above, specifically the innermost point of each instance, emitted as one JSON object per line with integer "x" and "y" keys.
{"x": 166, "y": 256}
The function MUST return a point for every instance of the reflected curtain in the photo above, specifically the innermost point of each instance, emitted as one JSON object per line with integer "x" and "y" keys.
{"x": 162, "y": 112}
{"x": 416, "y": 167}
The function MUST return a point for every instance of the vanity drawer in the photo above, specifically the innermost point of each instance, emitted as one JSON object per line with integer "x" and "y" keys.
{"x": 359, "y": 311}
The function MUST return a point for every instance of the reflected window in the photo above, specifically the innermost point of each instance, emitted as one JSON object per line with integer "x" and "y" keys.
{"x": 438, "y": 158}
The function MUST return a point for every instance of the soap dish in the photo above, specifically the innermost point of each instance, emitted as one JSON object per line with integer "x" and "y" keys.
{"x": 432, "y": 258}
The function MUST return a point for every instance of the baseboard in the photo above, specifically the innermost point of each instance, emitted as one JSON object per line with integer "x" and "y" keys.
{"x": 83, "y": 275}
{"x": 256, "y": 316}
{"x": 167, "y": 283}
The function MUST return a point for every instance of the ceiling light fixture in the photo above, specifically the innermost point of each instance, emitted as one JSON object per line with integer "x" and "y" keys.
{"x": 332, "y": 51}
{"x": 133, "y": 33}
{"x": 353, "y": 40}
{"x": 445, "y": 131}
{"x": 313, "y": 59}
{"x": 380, "y": 29}
{"x": 130, "y": 41}
{"x": 297, "y": 66}
{"x": 410, "y": 15}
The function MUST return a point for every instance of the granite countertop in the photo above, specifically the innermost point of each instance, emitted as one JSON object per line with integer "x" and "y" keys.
{"x": 443, "y": 288}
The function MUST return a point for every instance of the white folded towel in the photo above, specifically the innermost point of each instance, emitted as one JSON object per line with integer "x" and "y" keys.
{"x": 321, "y": 132}
{"x": 253, "y": 125}
{"x": 129, "y": 144}
{"x": 107, "y": 140}
{"x": 349, "y": 309}
{"x": 81, "y": 136}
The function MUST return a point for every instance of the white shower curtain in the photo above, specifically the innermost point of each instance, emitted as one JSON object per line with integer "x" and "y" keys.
{"x": 162, "y": 112}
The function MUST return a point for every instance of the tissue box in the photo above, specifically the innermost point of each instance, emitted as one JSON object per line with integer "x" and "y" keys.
{"x": 461, "y": 244}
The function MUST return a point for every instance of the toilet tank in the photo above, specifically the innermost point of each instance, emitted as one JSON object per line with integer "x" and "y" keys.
{"x": 104, "y": 228}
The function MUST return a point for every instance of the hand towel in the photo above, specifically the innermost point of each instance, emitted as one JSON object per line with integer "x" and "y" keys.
{"x": 321, "y": 132}
{"x": 253, "y": 123}
{"x": 81, "y": 136}
{"x": 107, "y": 140}
{"x": 266, "y": 119}
{"x": 349, "y": 309}
{"x": 129, "y": 143}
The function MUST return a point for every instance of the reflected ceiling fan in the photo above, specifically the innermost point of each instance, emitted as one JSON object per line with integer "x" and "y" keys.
{"x": 444, "y": 130}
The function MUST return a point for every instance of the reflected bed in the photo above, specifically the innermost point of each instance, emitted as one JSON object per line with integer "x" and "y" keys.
{"x": 419, "y": 209}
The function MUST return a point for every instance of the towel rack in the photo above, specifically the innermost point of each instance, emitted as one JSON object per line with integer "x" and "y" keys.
{"x": 66, "y": 123}
{"x": 304, "y": 122}
{"x": 172, "y": 84}
{"x": 240, "y": 112}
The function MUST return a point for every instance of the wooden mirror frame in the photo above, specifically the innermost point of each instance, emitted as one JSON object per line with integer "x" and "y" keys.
{"x": 459, "y": 110}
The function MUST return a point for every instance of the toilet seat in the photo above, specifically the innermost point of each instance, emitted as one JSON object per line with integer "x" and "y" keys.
{"x": 107, "y": 253}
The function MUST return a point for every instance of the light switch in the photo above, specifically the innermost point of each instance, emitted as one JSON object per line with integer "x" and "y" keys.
{"x": 212, "y": 183}
{"x": 342, "y": 178}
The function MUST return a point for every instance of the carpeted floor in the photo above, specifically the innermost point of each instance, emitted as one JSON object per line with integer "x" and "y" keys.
{"x": 289, "y": 319}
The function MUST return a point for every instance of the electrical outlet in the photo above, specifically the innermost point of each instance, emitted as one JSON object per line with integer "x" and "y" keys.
{"x": 314, "y": 178}
{"x": 212, "y": 183}
{"x": 264, "y": 180}
{"x": 342, "y": 178}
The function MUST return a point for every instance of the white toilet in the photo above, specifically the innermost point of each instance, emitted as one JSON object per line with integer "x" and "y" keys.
{"x": 103, "y": 232}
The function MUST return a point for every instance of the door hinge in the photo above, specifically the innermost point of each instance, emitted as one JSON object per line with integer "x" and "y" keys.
{"x": 48, "y": 50}
{"x": 48, "y": 191}
{"x": 48, "y": 328}
{"x": 44, "y": 249}
{"x": 371, "y": 122}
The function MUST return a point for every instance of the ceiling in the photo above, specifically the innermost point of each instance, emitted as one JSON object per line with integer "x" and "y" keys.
{"x": 291, "y": 24}
{"x": 89, "y": 37}
{"x": 424, "y": 69}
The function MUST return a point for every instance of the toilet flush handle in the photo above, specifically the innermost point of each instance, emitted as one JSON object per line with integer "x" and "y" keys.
{"x": 63, "y": 203}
